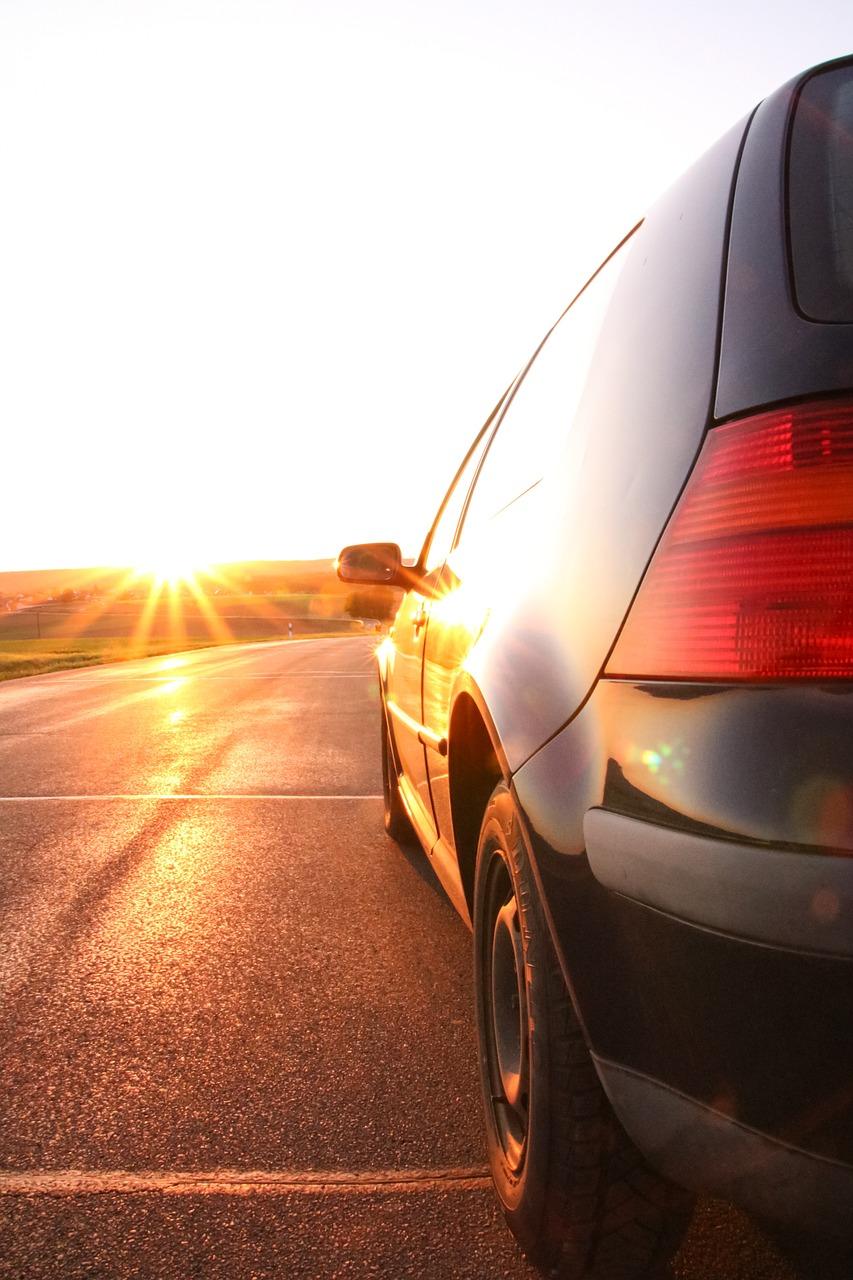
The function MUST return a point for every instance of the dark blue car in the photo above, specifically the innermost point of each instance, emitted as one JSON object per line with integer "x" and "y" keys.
{"x": 618, "y": 714}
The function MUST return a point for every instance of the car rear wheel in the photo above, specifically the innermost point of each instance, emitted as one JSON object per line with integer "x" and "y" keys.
{"x": 576, "y": 1193}
{"x": 397, "y": 822}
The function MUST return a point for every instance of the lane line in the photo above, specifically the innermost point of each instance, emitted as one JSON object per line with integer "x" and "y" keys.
{"x": 76, "y": 1182}
{"x": 275, "y": 675}
{"x": 248, "y": 675}
{"x": 214, "y": 654}
{"x": 194, "y": 795}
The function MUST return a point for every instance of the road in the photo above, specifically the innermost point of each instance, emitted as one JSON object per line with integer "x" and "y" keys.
{"x": 236, "y": 1029}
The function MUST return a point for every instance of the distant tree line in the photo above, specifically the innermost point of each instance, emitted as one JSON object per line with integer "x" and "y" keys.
{"x": 373, "y": 602}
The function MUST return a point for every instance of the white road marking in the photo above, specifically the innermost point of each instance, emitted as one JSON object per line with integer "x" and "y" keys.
{"x": 260, "y": 675}
{"x": 214, "y": 654}
{"x": 75, "y": 1182}
{"x": 190, "y": 795}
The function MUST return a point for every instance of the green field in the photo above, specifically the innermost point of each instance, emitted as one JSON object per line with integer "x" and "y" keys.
{"x": 35, "y": 657}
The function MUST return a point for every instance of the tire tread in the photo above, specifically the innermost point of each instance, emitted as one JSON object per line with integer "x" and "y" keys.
{"x": 606, "y": 1215}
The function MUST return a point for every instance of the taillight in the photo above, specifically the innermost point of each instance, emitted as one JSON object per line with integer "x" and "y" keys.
{"x": 753, "y": 578}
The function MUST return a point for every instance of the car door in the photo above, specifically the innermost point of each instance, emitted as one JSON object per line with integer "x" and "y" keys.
{"x": 507, "y": 531}
{"x": 412, "y": 740}
{"x": 476, "y": 574}
{"x": 403, "y": 703}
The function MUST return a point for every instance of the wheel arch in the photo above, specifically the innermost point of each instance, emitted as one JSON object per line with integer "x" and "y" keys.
{"x": 476, "y": 764}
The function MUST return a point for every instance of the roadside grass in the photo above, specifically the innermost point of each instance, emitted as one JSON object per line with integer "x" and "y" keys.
{"x": 37, "y": 657}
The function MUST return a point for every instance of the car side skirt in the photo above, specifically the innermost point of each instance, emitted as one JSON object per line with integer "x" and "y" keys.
{"x": 441, "y": 856}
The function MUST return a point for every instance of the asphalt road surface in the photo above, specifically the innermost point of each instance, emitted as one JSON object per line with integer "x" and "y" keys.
{"x": 236, "y": 1033}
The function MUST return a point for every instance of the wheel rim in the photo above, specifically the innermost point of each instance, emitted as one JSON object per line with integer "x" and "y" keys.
{"x": 507, "y": 1034}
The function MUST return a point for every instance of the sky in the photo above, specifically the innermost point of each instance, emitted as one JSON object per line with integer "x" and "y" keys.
{"x": 267, "y": 265}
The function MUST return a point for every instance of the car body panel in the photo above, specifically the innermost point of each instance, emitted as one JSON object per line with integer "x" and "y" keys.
{"x": 533, "y": 651}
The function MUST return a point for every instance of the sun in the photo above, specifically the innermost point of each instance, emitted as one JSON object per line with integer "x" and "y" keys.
{"x": 169, "y": 570}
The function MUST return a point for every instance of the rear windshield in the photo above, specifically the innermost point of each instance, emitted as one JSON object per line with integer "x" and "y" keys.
{"x": 820, "y": 194}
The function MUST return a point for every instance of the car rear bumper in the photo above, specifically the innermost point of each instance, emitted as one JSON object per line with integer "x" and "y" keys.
{"x": 698, "y": 1147}
{"x": 797, "y": 900}
{"x": 728, "y": 1059}
{"x": 780, "y": 900}
{"x": 708, "y": 948}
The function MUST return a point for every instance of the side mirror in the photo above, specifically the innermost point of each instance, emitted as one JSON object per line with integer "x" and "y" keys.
{"x": 375, "y": 562}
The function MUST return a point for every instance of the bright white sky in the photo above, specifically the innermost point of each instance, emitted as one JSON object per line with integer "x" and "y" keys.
{"x": 267, "y": 264}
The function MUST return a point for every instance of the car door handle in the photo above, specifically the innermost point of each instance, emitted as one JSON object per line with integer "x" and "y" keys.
{"x": 419, "y": 619}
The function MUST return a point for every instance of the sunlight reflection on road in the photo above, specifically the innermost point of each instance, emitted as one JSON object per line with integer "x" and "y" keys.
{"x": 155, "y": 689}
{"x": 169, "y": 664}
{"x": 164, "y": 914}
{"x": 171, "y": 687}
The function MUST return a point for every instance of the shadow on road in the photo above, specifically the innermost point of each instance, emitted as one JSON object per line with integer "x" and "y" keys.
{"x": 419, "y": 862}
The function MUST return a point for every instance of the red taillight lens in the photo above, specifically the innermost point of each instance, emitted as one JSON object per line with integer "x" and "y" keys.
{"x": 753, "y": 578}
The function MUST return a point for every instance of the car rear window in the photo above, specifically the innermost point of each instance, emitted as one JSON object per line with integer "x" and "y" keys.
{"x": 820, "y": 196}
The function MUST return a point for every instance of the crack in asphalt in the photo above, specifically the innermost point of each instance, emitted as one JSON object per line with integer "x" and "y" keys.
{"x": 196, "y": 795}
{"x": 75, "y": 1182}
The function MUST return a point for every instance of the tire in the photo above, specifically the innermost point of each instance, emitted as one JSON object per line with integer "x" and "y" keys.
{"x": 575, "y": 1192}
{"x": 397, "y": 822}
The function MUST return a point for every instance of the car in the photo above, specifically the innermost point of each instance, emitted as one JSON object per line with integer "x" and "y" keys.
{"x": 617, "y": 713}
